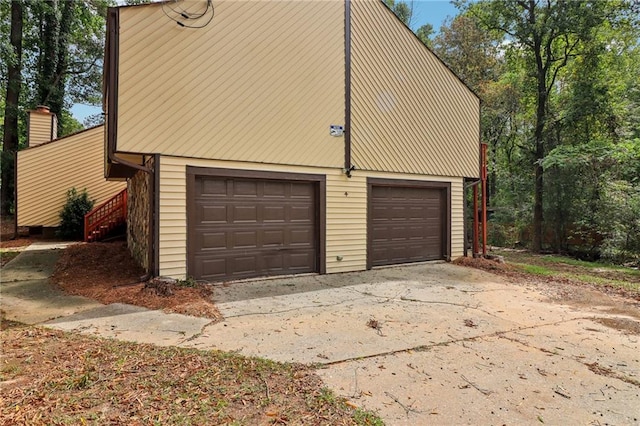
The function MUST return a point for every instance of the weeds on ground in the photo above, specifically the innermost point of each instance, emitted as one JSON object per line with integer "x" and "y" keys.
{"x": 577, "y": 271}
{"x": 7, "y": 256}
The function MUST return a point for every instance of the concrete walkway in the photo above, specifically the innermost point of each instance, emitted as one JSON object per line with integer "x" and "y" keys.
{"x": 25, "y": 294}
{"x": 423, "y": 344}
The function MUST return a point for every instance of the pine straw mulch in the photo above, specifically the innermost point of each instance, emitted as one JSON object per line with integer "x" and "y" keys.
{"x": 52, "y": 377}
{"x": 7, "y": 234}
{"x": 106, "y": 272}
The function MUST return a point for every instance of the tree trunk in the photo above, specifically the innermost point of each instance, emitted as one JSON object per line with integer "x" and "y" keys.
{"x": 14, "y": 82}
{"x": 541, "y": 115}
{"x": 56, "y": 98}
{"x": 47, "y": 74}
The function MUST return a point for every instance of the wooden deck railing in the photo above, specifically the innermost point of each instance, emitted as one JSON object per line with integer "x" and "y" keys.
{"x": 103, "y": 218}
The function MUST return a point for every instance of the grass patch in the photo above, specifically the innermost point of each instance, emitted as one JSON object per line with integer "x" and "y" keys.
{"x": 535, "y": 269}
{"x": 7, "y": 256}
{"x": 77, "y": 379}
{"x": 589, "y": 265}
{"x": 604, "y": 281}
{"x": 599, "y": 274}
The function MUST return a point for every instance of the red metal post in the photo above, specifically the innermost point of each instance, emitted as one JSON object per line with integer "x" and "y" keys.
{"x": 484, "y": 199}
{"x": 86, "y": 228}
{"x": 476, "y": 223}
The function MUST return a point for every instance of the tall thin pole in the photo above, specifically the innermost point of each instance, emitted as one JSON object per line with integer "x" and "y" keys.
{"x": 484, "y": 199}
{"x": 476, "y": 222}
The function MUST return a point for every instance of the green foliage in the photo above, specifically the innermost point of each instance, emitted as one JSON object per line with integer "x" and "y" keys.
{"x": 72, "y": 214}
{"x": 597, "y": 190}
{"x": 561, "y": 115}
{"x": 425, "y": 33}
{"x": 535, "y": 269}
{"x": 187, "y": 282}
{"x": 71, "y": 124}
{"x": 622, "y": 241}
{"x": 401, "y": 9}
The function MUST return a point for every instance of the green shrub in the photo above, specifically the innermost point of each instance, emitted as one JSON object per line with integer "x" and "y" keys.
{"x": 72, "y": 214}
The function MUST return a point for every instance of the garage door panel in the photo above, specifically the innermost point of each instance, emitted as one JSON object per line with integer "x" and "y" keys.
{"x": 212, "y": 214}
{"x": 253, "y": 228}
{"x": 273, "y": 262}
{"x": 213, "y": 187}
{"x": 208, "y": 267}
{"x": 245, "y": 188}
{"x": 406, "y": 224}
{"x": 212, "y": 241}
{"x": 274, "y": 213}
{"x": 243, "y": 213}
{"x": 301, "y": 190}
{"x": 299, "y": 259}
{"x": 301, "y": 237}
{"x": 273, "y": 238}
{"x": 245, "y": 239}
{"x": 301, "y": 213}
{"x": 242, "y": 265}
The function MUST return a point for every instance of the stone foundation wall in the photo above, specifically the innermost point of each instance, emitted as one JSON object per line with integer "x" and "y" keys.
{"x": 138, "y": 226}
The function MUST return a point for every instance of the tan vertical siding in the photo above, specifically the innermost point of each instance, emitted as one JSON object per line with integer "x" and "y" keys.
{"x": 262, "y": 82}
{"x": 47, "y": 172}
{"x": 346, "y": 214}
{"x": 43, "y": 127}
{"x": 409, "y": 112}
{"x": 457, "y": 218}
{"x": 346, "y": 222}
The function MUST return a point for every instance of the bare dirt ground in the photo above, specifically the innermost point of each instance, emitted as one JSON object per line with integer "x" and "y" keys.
{"x": 570, "y": 282}
{"x": 559, "y": 275}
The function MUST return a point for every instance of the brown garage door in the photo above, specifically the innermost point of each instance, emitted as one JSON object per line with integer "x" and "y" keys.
{"x": 406, "y": 224}
{"x": 243, "y": 228}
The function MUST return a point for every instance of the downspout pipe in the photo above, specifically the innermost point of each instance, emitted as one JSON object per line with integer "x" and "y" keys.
{"x": 348, "y": 167}
{"x": 111, "y": 90}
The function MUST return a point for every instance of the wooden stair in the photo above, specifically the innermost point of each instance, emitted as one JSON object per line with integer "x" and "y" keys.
{"x": 105, "y": 218}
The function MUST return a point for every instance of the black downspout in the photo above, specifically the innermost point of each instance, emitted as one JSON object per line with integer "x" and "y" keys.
{"x": 111, "y": 59}
{"x": 113, "y": 27}
{"x": 150, "y": 218}
{"x": 156, "y": 217}
{"x": 348, "y": 167}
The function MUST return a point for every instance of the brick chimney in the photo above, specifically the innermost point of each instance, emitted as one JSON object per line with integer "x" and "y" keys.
{"x": 43, "y": 126}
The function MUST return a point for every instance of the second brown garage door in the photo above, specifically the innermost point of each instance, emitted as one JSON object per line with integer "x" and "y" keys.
{"x": 407, "y": 223}
{"x": 242, "y": 228}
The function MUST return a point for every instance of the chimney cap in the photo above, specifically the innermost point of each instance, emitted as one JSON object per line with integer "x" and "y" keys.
{"x": 43, "y": 108}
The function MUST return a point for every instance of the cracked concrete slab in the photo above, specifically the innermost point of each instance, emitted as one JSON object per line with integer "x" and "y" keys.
{"x": 133, "y": 323}
{"x": 421, "y": 344}
{"x": 484, "y": 381}
{"x": 451, "y": 346}
{"x": 25, "y": 292}
{"x": 324, "y": 318}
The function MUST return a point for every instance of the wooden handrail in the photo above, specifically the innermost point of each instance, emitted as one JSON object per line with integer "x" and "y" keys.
{"x": 112, "y": 210}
